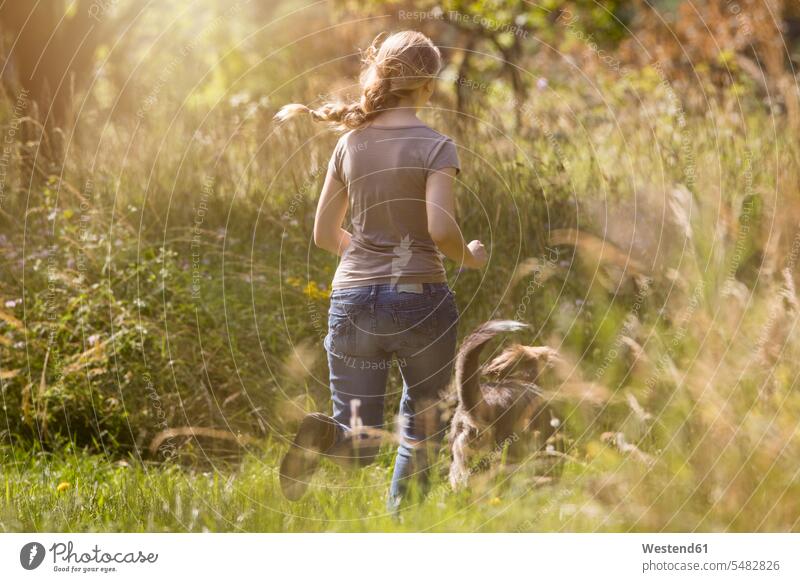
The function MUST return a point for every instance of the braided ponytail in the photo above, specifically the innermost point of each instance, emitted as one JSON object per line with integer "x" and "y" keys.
{"x": 404, "y": 62}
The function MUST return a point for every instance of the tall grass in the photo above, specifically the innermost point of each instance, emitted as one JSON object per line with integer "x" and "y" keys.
{"x": 162, "y": 276}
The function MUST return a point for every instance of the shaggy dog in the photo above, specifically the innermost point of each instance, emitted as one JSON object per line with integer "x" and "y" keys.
{"x": 504, "y": 410}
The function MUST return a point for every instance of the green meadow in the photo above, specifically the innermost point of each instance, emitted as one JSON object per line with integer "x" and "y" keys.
{"x": 162, "y": 305}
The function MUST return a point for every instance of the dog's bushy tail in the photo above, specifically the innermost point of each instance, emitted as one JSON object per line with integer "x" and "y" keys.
{"x": 468, "y": 361}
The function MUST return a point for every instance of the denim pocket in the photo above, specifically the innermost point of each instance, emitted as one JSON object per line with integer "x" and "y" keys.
{"x": 341, "y": 332}
{"x": 417, "y": 327}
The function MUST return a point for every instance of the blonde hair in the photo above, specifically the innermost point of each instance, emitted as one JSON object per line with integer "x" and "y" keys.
{"x": 403, "y": 64}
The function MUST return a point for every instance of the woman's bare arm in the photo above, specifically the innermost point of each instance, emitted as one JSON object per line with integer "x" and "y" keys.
{"x": 331, "y": 209}
{"x": 442, "y": 225}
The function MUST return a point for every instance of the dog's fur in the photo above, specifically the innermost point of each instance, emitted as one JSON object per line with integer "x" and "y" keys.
{"x": 505, "y": 409}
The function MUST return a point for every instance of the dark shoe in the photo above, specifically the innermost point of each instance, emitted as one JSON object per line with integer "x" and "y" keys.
{"x": 357, "y": 450}
{"x": 316, "y": 435}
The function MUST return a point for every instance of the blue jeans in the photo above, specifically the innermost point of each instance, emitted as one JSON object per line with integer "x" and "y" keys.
{"x": 375, "y": 327}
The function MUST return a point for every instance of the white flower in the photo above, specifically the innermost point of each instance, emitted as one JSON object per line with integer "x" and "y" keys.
{"x": 239, "y": 99}
{"x": 555, "y": 423}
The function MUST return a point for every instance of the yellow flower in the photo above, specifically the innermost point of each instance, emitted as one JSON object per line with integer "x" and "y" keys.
{"x": 63, "y": 486}
{"x": 494, "y": 501}
{"x": 314, "y": 291}
{"x": 311, "y": 289}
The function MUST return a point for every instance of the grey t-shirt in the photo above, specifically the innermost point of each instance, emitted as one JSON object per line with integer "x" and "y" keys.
{"x": 385, "y": 170}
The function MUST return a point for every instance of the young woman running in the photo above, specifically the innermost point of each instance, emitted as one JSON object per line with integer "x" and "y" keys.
{"x": 390, "y": 302}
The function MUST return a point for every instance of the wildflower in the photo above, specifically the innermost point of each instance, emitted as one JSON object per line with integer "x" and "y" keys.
{"x": 554, "y": 422}
{"x": 239, "y": 99}
{"x": 313, "y": 291}
{"x": 541, "y": 84}
{"x": 494, "y": 501}
{"x": 63, "y": 486}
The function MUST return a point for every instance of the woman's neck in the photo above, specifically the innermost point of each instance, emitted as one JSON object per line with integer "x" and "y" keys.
{"x": 398, "y": 116}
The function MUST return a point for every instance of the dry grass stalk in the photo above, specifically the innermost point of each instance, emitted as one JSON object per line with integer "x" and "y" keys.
{"x": 198, "y": 431}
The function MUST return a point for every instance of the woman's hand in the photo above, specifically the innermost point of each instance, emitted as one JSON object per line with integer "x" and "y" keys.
{"x": 479, "y": 255}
